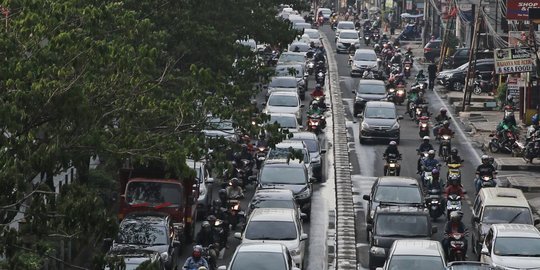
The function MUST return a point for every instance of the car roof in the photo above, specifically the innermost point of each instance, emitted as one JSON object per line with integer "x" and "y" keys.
{"x": 346, "y": 22}
{"x": 371, "y": 82}
{"x": 384, "y": 208}
{"x": 156, "y": 218}
{"x": 516, "y": 230}
{"x": 417, "y": 247}
{"x": 283, "y": 115}
{"x": 284, "y": 164}
{"x": 295, "y": 53}
{"x": 385, "y": 104}
{"x": 285, "y": 77}
{"x": 273, "y": 214}
{"x": 370, "y": 51}
{"x": 261, "y": 247}
{"x": 284, "y": 94}
{"x": 273, "y": 194}
{"x": 311, "y": 30}
{"x": 303, "y": 136}
{"x": 499, "y": 196}
{"x": 397, "y": 181}
{"x": 291, "y": 143}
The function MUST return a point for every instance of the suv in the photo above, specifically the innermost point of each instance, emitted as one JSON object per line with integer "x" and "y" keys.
{"x": 282, "y": 151}
{"x": 368, "y": 90}
{"x": 454, "y": 79}
{"x": 512, "y": 246}
{"x": 393, "y": 222}
{"x": 274, "y": 198}
{"x": 432, "y": 50}
{"x": 498, "y": 205}
{"x": 416, "y": 254}
{"x": 380, "y": 121}
{"x": 362, "y": 60}
{"x": 461, "y": 56}
{"x": 256, "y": 256}
{"x": 395, "y": 190}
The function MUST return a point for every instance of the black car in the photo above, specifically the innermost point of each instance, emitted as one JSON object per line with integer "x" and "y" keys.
{"x": 432, "y": 50}
{"x": 368, "y": 90}
{"x": 380, "y": 121}
{"x": 133, "y": 258}
{"x": 393, "y": 222}
{"x": 274, "y": 198}
{"x": 148, "y": 231}
{"x": 454, "y": 79}
{"x": 461, "y": 56}
{"x": 394, "y": 190}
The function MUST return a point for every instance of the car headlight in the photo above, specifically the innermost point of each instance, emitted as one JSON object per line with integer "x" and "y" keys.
{"x": 165, "y": 256}
{"x": 357, "y": 65}
{"x": 365, "y": 125}
{"x": 304, "y": 194}
{"x": 377, "y": 251}
{"x": 339, "y": 43}
{"x": 374, "y": 65}
{"x": 395, "y": 126}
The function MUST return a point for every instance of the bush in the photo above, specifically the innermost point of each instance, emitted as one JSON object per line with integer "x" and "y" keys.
{"x": 501, "y": 93}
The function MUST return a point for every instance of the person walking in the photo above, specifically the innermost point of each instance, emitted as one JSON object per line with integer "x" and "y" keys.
{"x": 432, "y": 73}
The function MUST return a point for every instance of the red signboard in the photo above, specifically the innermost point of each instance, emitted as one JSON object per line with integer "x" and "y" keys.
{"x": 519, "y": 9}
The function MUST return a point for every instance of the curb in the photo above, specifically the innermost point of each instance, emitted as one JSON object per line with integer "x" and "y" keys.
{"x": 525, "y": 183}
{"x": 345, "y": 216}
{"x": 515, "y": 164}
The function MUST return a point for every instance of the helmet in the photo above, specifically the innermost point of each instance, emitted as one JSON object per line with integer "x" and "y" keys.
{"x": 202, "y": 268}
{"x": 455, "y": 216}
{"x": 211, "y": 218}
{"x": 435, "y": 171}
{"x": 454, "y": 151}
{"x": 318, "y": 85}
{"x": 485, "y": 159}
{"x": 446, "y": 123}
{"x": 442, "y": 111}
{"x": 197, "y": 251}
{"x": 426, "y": 138}
{"x": 424, "y": 106}
{"x": 431, "y": 153}
{"x": 453, "y": 179}
{"x": 205, "y": 224}
{"x": 235, "y": 182}
{"x": 393, "y": 143}
{"x": 244, "y": 146}
{"x": 421, "y": 94}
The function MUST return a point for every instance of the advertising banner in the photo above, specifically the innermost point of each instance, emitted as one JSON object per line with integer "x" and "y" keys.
{"x": 515, "y": 60}
{"x": 519, "y": 9}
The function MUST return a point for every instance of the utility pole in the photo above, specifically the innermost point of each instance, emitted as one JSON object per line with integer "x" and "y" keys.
{"x": 449, "y": 27}
{"x": 467, "y": 93}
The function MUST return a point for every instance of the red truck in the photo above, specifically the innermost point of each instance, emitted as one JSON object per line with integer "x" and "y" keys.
{"x": 153, "y": 190}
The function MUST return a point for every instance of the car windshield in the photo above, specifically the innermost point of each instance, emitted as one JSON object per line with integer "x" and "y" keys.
{"x": 346, "y": 26}
{"x": 400, "y": 262}
{"x": 289, "y": 71}
{"x": 348, "y": 35}
{"x": 398, "y": 194}
{"x": 312, "y": 145}
{"x": 270, "y": 203}
{"x": 218, "y": 124}
{"x": 283, "y": 153}
{"x": 302, "y": 47}
{"x": 271, "y": 230}
{"x": 380, "y": 113}
{"x": 505, "y": 214}
{"x": 154, "y": 193}
{"x": 371, "y": 89}
{"x": 282, "y": 101}
{"x": 463, "y": 67}
{"x": 517, "y": 246}
{"x": 402, "y": 225}
{"x": 326, "y": 11}
{"x": 283, "y": 175}
{"x": 141, "y": 233}
{"x": 365, "y": 57}
{"x": 289, "y": 57}
{"x": 259, "y": 261}
{"x": 284, "y": 121}
{"x": 283, "y": 82}
{"x": 471, "y": 266}
{"x": 312, "y": 34}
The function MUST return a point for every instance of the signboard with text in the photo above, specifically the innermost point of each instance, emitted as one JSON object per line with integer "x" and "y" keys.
{"x": 513, "y": 60}
{"x": 519, "y": 9}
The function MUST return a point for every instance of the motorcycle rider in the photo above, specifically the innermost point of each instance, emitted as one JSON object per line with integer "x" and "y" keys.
{"x": 209, "y": 236}
{"x": 234, "y": 191}
{"x": 384, "y": 38}
{"x": 432, "y": 73}
{"x": 377, "y": 48}
{"x": 396, "y": 59}
{"x": 454, "y": 225}
{"x": 454, "y": 157}
{"x": 439, "y": 120}
{"x": 318, "y": 91}
{"x": 444, "y": 130}
{"x": 453, "y": 187}
{"x": 244, "y": 154}
{"x": 314, "y": 108}
{"x": 222, "y": 235}
{"x": 420, "y": 76}
{"x": 436, "y": 181}
{"x": 392, "y": 149}
{"x": 409, "y": 54}
{"x": 425, "y": 146}
{"x": 430, "y": 162}
{"x": 196, "y": 260}
{"x": 484, "y": 169}
{"x": 510, "y": 122}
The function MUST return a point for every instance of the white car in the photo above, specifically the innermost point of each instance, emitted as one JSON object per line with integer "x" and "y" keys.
{"x": 286, "y": 121}
{"x": 284, "y": 102}
{"x": 283, "y": 84}
{"x": 326, "y": 12}
{"x": 276, "y": 225}
{"x": 260, "y": 256}
{"x": 346, "y": 39}
{"x": 415, "y": 254}
{"x": 512, "y": 246}
{"x": 314, "y": 36}
{"x": 282, "y": 150}
{"x": 344, "y": 25}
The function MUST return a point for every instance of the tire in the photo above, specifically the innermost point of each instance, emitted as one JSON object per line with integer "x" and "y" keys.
{"x": 362, "y": 140}
{"x": 457, "y": 86}
{"x": 493, "y": 147}
{"x": 477, "y": 90}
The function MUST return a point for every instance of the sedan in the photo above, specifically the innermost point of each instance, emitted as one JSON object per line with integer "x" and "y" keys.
{"x": 263, "y": 256}
{"x": 380, "y": 121}
{"x": 346, "y": 39}
{"x": 297, "y": 71}
{"x": 314, "y": 36}
{"x": 512, "y": 246}
{"x": 284, "y": 102}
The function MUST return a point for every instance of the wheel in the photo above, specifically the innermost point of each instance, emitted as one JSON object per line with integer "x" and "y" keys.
{"x": 477, "y": 90}
{"x": 494, "y": 147}
{"x": 362, "y": 140}
{"x": 457, "y": 86}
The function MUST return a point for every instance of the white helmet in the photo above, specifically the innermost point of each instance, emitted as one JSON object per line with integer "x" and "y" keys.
{"x": 431, "y": 152}
{"x": 426, "y": 138}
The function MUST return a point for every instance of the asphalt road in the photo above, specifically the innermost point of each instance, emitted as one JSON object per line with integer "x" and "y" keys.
{"x": 366, "y": 160}
{"x": 323, "y": 203}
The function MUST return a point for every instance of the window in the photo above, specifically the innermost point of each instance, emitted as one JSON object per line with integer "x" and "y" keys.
{"x": 485, "y": 67}
{"x": 489, "y": 240}
{"x": 398, "y": 194}
{"x": 477, "y": 205}
{"x": 271, "y": 230}
{"x": 462, "y": 53}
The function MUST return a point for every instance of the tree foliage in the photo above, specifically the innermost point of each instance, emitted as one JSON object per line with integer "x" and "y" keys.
{"x": 122, "y": 79}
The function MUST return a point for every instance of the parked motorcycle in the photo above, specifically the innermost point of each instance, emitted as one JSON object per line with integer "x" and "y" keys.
{"x": 498, "y": 143}
{"x": 457, "y": 247}
{"x": 434, "y": 203}
{"x": 453, "y": 203}
{"x": 532, "y": 149}
{"x": 482, "y": 86}
{"x": 446, "y": 145}
{"x": 423, "y": 125}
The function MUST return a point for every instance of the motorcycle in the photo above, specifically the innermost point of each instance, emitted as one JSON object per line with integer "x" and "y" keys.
{"x": 375, "y": 36}
{"x": 210, "y": 254}
{"x": 457, "y": 247}
{"x": 434, "y": 203}
{"x": 497, "y": 143}
{"x": 446, "y": 145}
{"x": 482, "y": 86}
{"x": 236, "y": 216}
{"x": 260, "y": 156}
{"x": 487, "y": 181}
{"x": 454, "y": 171}
{"x": 407, "y": 65}
{"x": 424, "y": 126}
{"x": 427, "y": 177}
{"x": 392, "y": 165}
{"x": 319, "y": 78}
{"x": 315, "y": 123}
{"x": 367, "y": 39}
{"x": 532, "y": 149}
{"x": 453, "y": 203}
{"x": 310, "y": 66}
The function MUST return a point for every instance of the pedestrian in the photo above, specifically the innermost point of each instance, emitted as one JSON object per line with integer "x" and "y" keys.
{"x": 432, "y": 72}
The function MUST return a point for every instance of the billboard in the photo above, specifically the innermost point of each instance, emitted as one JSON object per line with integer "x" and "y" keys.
{"x": 519, "y": 9}
{"x": 513, "y": 60}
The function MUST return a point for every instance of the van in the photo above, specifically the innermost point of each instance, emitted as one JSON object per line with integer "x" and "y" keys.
{"x": 498, "y": 205}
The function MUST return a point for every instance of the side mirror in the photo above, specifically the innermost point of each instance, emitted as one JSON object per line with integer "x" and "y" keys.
{"x": 433, "y": 229}
{"x": 400, "y": 117}
{"x": 312, "y": 179}
{"x": 222, "y": 267}
{"x": 238, "y": 235}
{"x": 303, "y": 215}
{"x": 176, "y": 244}
{"x": 263, "y": 104}
{"x": 484, "y": 251}
{"x": 366, "y": 197}
{"x": 300, "y": 127}
{"x": 210, "y": 180}
{"x": 301, "y": 105}
{"x": 303, "y": 237}
{"x": 536, "y": 221}
{"x": 369, "y": 227}
{"x": 353, "y": 91}
{"x": 476, "y": 219}
{"x": 323, "y": 151}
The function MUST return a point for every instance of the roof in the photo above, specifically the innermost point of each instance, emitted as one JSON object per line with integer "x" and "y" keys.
{"x": 346, "y": 22}
{"x": 417, "y": 247}
{"x": 261, "y": 247}
{"x": 366, "y": 81}
{"x": 283, "y": 114}
{"x": 503, "y": 197}
{"x": 348, "y": 31}
{"x": 273, "y": 194}
{"x": 381, "y": 104}
{"x": 148, "y": 217}
{"x": 311, "y": 30}
{"x": 401, "y": 209}
{"x": 297, "y": 53}
{"x": 516, "y": 230}
{"x": 285, "y": 77}
{"x": 284, "y": 164}
{"x": 294, "y": 94}
{"x": 303, "y": 136}
{"x": 397, "y": 181}
{"x": 291, "y": 143}
{"x": 273, "y": 214}
{"x": 371, "y": 51}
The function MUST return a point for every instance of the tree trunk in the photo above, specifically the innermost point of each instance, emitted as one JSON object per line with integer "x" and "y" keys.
{"x": 82, "y": 165}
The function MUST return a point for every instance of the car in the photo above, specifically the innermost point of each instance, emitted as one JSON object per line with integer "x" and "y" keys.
{"x": 393, "y": 190}
{"x": 149, "y": 231}
{"x": 274, "y": 198}
{"x": 301, "y": 26}
{"x": 204, "y": 202}
{"x": 326, "y": 12}
{"x": 461, "y": 56}
{"x": 295, "y": 19}
{"x": 368, "y": 90}
{"x": 432, "y": 50}
{"x": 415, "y": 254}
{"x": 380, "y": 121}
{"x": 512, "y": 246}
{"x": 300, "y": 73}
{"x": 345, "y": 25}
{"x": 276, "y": 225}
{"x": 284, "y": 102}
{"x": 133, "y": 258}
{"x": 251, "y": 43}
{"x": 454, "y": 79}
{"x": 292, "y": 176}
{"x": 300, "y": 46}
{"x": 286, "y": 121}
{"x": 284, "y": 82}
{"x": 362, "y": 60}
{"x": 292, "y": 58}
{"x": 468, "y": 265}
{"x": 315, "y": 151}
{"x": 393, "y": 222}
{"x": 314, "y": 36}
{"x": 261, "y": 256}
{"x": 496, "y": 205}
{"x": 346, "y": 39}
{"x": 220, "y": 128}
{"x": 282, "y": 153}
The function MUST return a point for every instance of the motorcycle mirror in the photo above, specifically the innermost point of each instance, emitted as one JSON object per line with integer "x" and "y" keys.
{"x": 323, "y": 151}
{"x": 264, "y": 103}
{"x": 369, "y": 227}
{"x": 536, "y": 221}
{"x": 354, "y": 92}
{"x": 476, "y": 219}
{"x": 366, "y": 197}
{"x": 301, "y": 105}
{"x": 238, "y": 235}
{"x": 400, "y": 117}
{"x": 303, "y": 215}
{"x": 484, "y": 251}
